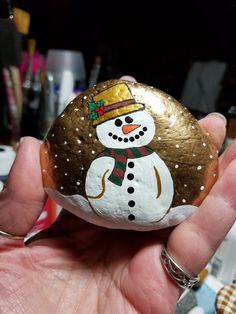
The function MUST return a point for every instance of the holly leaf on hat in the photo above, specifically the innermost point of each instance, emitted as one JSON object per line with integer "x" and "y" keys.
{"x": 92, "y": 105}
{"x": 93, "y": 115}
{"x": 100, "y": 103}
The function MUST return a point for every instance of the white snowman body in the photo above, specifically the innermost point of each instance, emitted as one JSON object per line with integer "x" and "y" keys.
{"x": 144, "y": 197}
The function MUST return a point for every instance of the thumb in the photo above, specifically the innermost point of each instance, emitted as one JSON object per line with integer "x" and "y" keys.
{"x": 23, "y": 197}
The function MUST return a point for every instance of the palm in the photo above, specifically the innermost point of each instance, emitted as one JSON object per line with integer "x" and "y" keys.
{"x": 88, "y": 270}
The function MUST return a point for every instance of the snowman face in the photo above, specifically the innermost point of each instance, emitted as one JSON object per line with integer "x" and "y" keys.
{"x": 131, "y": 130}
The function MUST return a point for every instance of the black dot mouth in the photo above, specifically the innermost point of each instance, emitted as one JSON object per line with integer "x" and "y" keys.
{"x": 129, "y": 139}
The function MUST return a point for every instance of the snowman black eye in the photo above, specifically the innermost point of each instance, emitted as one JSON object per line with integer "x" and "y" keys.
{"x": 128, "y": 119}
{"x": 118, "y": 122}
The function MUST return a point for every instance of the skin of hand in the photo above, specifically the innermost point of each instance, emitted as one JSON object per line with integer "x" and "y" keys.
{"x": 77, "y": 267}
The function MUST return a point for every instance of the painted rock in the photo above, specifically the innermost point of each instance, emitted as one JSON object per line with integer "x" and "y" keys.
{"x": 128, "y": 156}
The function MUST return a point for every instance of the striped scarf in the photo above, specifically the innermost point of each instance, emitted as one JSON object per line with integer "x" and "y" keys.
{"x": 121, "y": 156}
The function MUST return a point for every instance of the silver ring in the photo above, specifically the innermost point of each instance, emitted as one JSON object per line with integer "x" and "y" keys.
{"x": 178, "y": 275}
{"x": 11, "y": 236}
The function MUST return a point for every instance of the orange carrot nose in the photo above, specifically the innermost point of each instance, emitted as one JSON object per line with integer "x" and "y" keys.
{"x": 129, "y": 128}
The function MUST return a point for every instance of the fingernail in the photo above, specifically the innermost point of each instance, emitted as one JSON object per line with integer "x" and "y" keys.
{"x": 220, "y": 115}
{"x": 128, "y": 78}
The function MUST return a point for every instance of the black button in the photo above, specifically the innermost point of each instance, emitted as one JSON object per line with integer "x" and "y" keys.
{"x": 141, "y": 133}
{"x": 130, "y": 176}
{"x": 119, "y": 139}
{"x": 131, "y": 217}
{"x": 110, "y": 134}
{"x": 115, "y": 137}
{"x": 130, "y": 190}
{"x": 125, "y": 140}
{"x": 131, "y": 203}
{"x": 145, "y": 129}
{"x": 131, "y": 139}
{"x": 130, "y": 164}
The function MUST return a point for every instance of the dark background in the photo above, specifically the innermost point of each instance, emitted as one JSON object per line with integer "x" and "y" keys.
{"x": 155, "y": 41}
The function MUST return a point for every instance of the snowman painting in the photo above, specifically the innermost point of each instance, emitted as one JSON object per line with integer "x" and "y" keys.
{"x": 123, "y": 155}
{"x": 128, "y": 182}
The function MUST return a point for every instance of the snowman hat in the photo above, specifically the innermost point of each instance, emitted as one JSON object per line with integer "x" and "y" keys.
{"x": 112, "y": 102}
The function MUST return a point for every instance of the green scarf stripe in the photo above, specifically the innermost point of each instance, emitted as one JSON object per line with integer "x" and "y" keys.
{"x": 116, "y": 180}
{"x": 120, "y": 151}
{"x": 120, "y": 165}
{"x": 136, "y": 152}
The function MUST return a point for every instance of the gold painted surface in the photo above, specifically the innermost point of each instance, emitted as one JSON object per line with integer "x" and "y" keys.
{"x": 189, "y": 153}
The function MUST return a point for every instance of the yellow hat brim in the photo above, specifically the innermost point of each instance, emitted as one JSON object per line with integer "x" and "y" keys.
{"x": 117, "y": 113}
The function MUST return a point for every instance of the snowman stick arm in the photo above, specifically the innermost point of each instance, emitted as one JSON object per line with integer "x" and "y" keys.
{"x": 103, "y": 188}
{"x": 158, "y": 180}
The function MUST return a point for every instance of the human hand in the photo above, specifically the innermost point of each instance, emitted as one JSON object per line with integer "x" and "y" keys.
{"x": 76, "y": 267}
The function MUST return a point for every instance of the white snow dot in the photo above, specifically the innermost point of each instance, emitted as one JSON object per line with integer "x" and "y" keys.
{"x": 181, "y": 111}
{"x": 90, "y": 135}
{"x": 67, "y": 159}
{"x": 193, "y": 127}
{"x": 202, "y": 187}
{"x": 77, "y": 183}
{"x": 194, "y": 155}
{"x": 82, "y": 118}
{"x": 76, "y": 109}
{"x": 169, "y": 98}
{"x": 64, "y": 128}
{"x": 183, "y": 200}
{"x": 204, "y": 144}
{"x": 61, "y": 187}
{"x": 211, "y": 156}
{"x": 56, "y": 155}
{"x": 82, "y": 168}
{"x": 72, "y": 102}
{"x": 55, "y": 166}
{"x": 159, "y": 138}
{"x": 53, "y": 135}
{"x": 214, "y": 175}
{"x": 62, "y": 115}
{"x": 77, "y": 129}
{"x": 185, "y": 185}
{"x": 207, "y": 133}
{"x": 44, "y": 170}
{"x": 79, "y": 151}
{"x": 176, "y": 166}
{"x": 45, "y": 152}
{"x": 65, "y": 173}
{"x": 93, "y": 152}
{"x": 85, "y": 97}
{"x": 177, "y": 145}
{"x": 79, "y": 141}
{"x": 217, "y": 151}
{"x": 199, "y": 167}
{"x": 65, "y": 142}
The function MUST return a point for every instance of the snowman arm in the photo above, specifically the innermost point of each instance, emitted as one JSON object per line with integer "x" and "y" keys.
{"x": 158, "y": 180}
{"x": 103, "y": 188}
